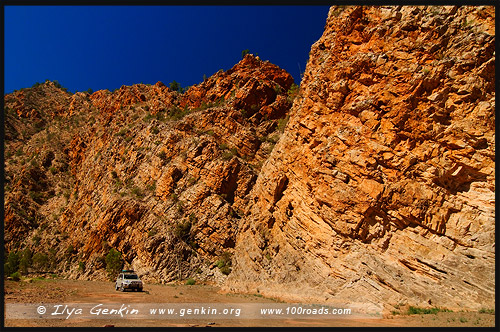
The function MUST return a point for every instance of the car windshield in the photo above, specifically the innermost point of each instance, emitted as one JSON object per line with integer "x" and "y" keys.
{"x": 131, "y": 276}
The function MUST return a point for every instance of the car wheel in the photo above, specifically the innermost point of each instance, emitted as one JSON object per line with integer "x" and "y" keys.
{"x": 122, "y": 289}
{"x": 116, "y": 287}
{"x": 139, "y": 289}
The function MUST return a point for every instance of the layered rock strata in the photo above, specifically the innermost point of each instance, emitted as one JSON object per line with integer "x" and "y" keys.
{"x": 382, "y": 188}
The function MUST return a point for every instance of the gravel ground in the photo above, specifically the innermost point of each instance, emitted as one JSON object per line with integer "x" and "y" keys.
{"x": 59, "y": 291}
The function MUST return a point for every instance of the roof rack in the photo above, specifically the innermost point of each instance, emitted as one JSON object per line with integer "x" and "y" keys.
{"x": 128, "y": 271}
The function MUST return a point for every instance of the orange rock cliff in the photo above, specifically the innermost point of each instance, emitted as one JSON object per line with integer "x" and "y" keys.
{"x": 374, "y": 182}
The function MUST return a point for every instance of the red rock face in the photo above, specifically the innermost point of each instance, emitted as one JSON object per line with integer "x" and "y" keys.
{"x": 378, "y": 189}
{"x": 382, "y": 186}
{"x": 256, "y": 87}
{"x": 161, "y": 176}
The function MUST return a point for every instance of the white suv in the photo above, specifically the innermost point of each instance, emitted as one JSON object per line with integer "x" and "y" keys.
{"x": 128, "y": 279}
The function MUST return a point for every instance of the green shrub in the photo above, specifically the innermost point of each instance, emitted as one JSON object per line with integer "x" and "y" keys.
{"x": 40, "y": 261}
{"x": 81, "y": 266}
{"x": 151, "y": 187}
{"x": 36, "y": 239}
{"x": 224, "y": 263}
{"x": 36, "y": 196}
{"x": 152, "y": 232}
{"x": 16, "y": 276}
{"x": 12, "y": 264}
{"x": 293, "y": 92}
{"x": 190, "y": 281}
{"x": 282, "y": 123}
{"x": 424, "y": 311}
{"x": 226, "y": 155}
{"x": 114, "y": 263}
{"x": 25, "y": 261}
{"x": 163, "y": 156}
{"x": 177, "y": 113}
{"x": 70, "y": 250}
{"x": 486, "y": 311}
{"x": 121, "y": 132}
{"x": 175, "y": 86}
{"x": 180, "y": 207}
{"x": 226, "y": 270}
{"x": 137, "y": 192}
{"x": 182, "y": 230}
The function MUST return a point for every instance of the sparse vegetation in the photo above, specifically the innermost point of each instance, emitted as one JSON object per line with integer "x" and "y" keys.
{"x": 16, "y": 276}
{"x": 224, "y": 263}
{"x": 293, "y": 92}
{"x": 152, "y": 232}
{"x": 183, "y": 230}
{"x": 25, "y": 261}
{"x": 122, "y": 132}
{"x": 190, "y": 281}
{"x": 40, "y": 261}
{"x": 136, "y": 191}
{"x": 282, "y": 123}
{"x": 151, "y": 187}
{"x": 424, "y": 311}
{"x": 81, "y": 266}
{"x": 229, "y": 153}
{"x": 486, "y": 311}
{"x": 163, "y": 156}
{"x": 177, "y": 113}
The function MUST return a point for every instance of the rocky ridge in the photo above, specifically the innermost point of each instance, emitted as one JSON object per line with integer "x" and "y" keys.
{"x": 379, "y": 190}
{"x": 158, "y": 175}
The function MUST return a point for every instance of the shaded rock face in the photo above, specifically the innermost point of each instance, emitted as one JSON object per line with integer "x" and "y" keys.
{"x": 382, "y": 188}
{"x": 160, "y": 176}
{"x": 379, "y": 190}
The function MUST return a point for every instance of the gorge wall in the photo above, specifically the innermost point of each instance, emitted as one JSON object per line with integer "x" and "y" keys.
{"x": 382, "y": 188}
{"x": 379, "y": 189}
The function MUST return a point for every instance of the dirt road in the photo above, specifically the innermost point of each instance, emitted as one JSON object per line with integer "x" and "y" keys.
{"x": 51, "y": 292}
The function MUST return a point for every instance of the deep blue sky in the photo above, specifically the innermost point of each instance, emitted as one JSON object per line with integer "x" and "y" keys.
{"x": 105, "y": 47}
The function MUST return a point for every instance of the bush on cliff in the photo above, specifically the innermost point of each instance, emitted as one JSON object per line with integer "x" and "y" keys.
{"x": 114, "y": 263}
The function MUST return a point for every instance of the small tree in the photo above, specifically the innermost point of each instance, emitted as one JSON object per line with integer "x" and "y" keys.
{"x": 12, "y": 264}
{"x": 174, "y": 86}
{"x": 244, "y": 52}
{"x": 114, "y": 263}
{"x": 25, "y": 261}
{"x": 40, "y": 261}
